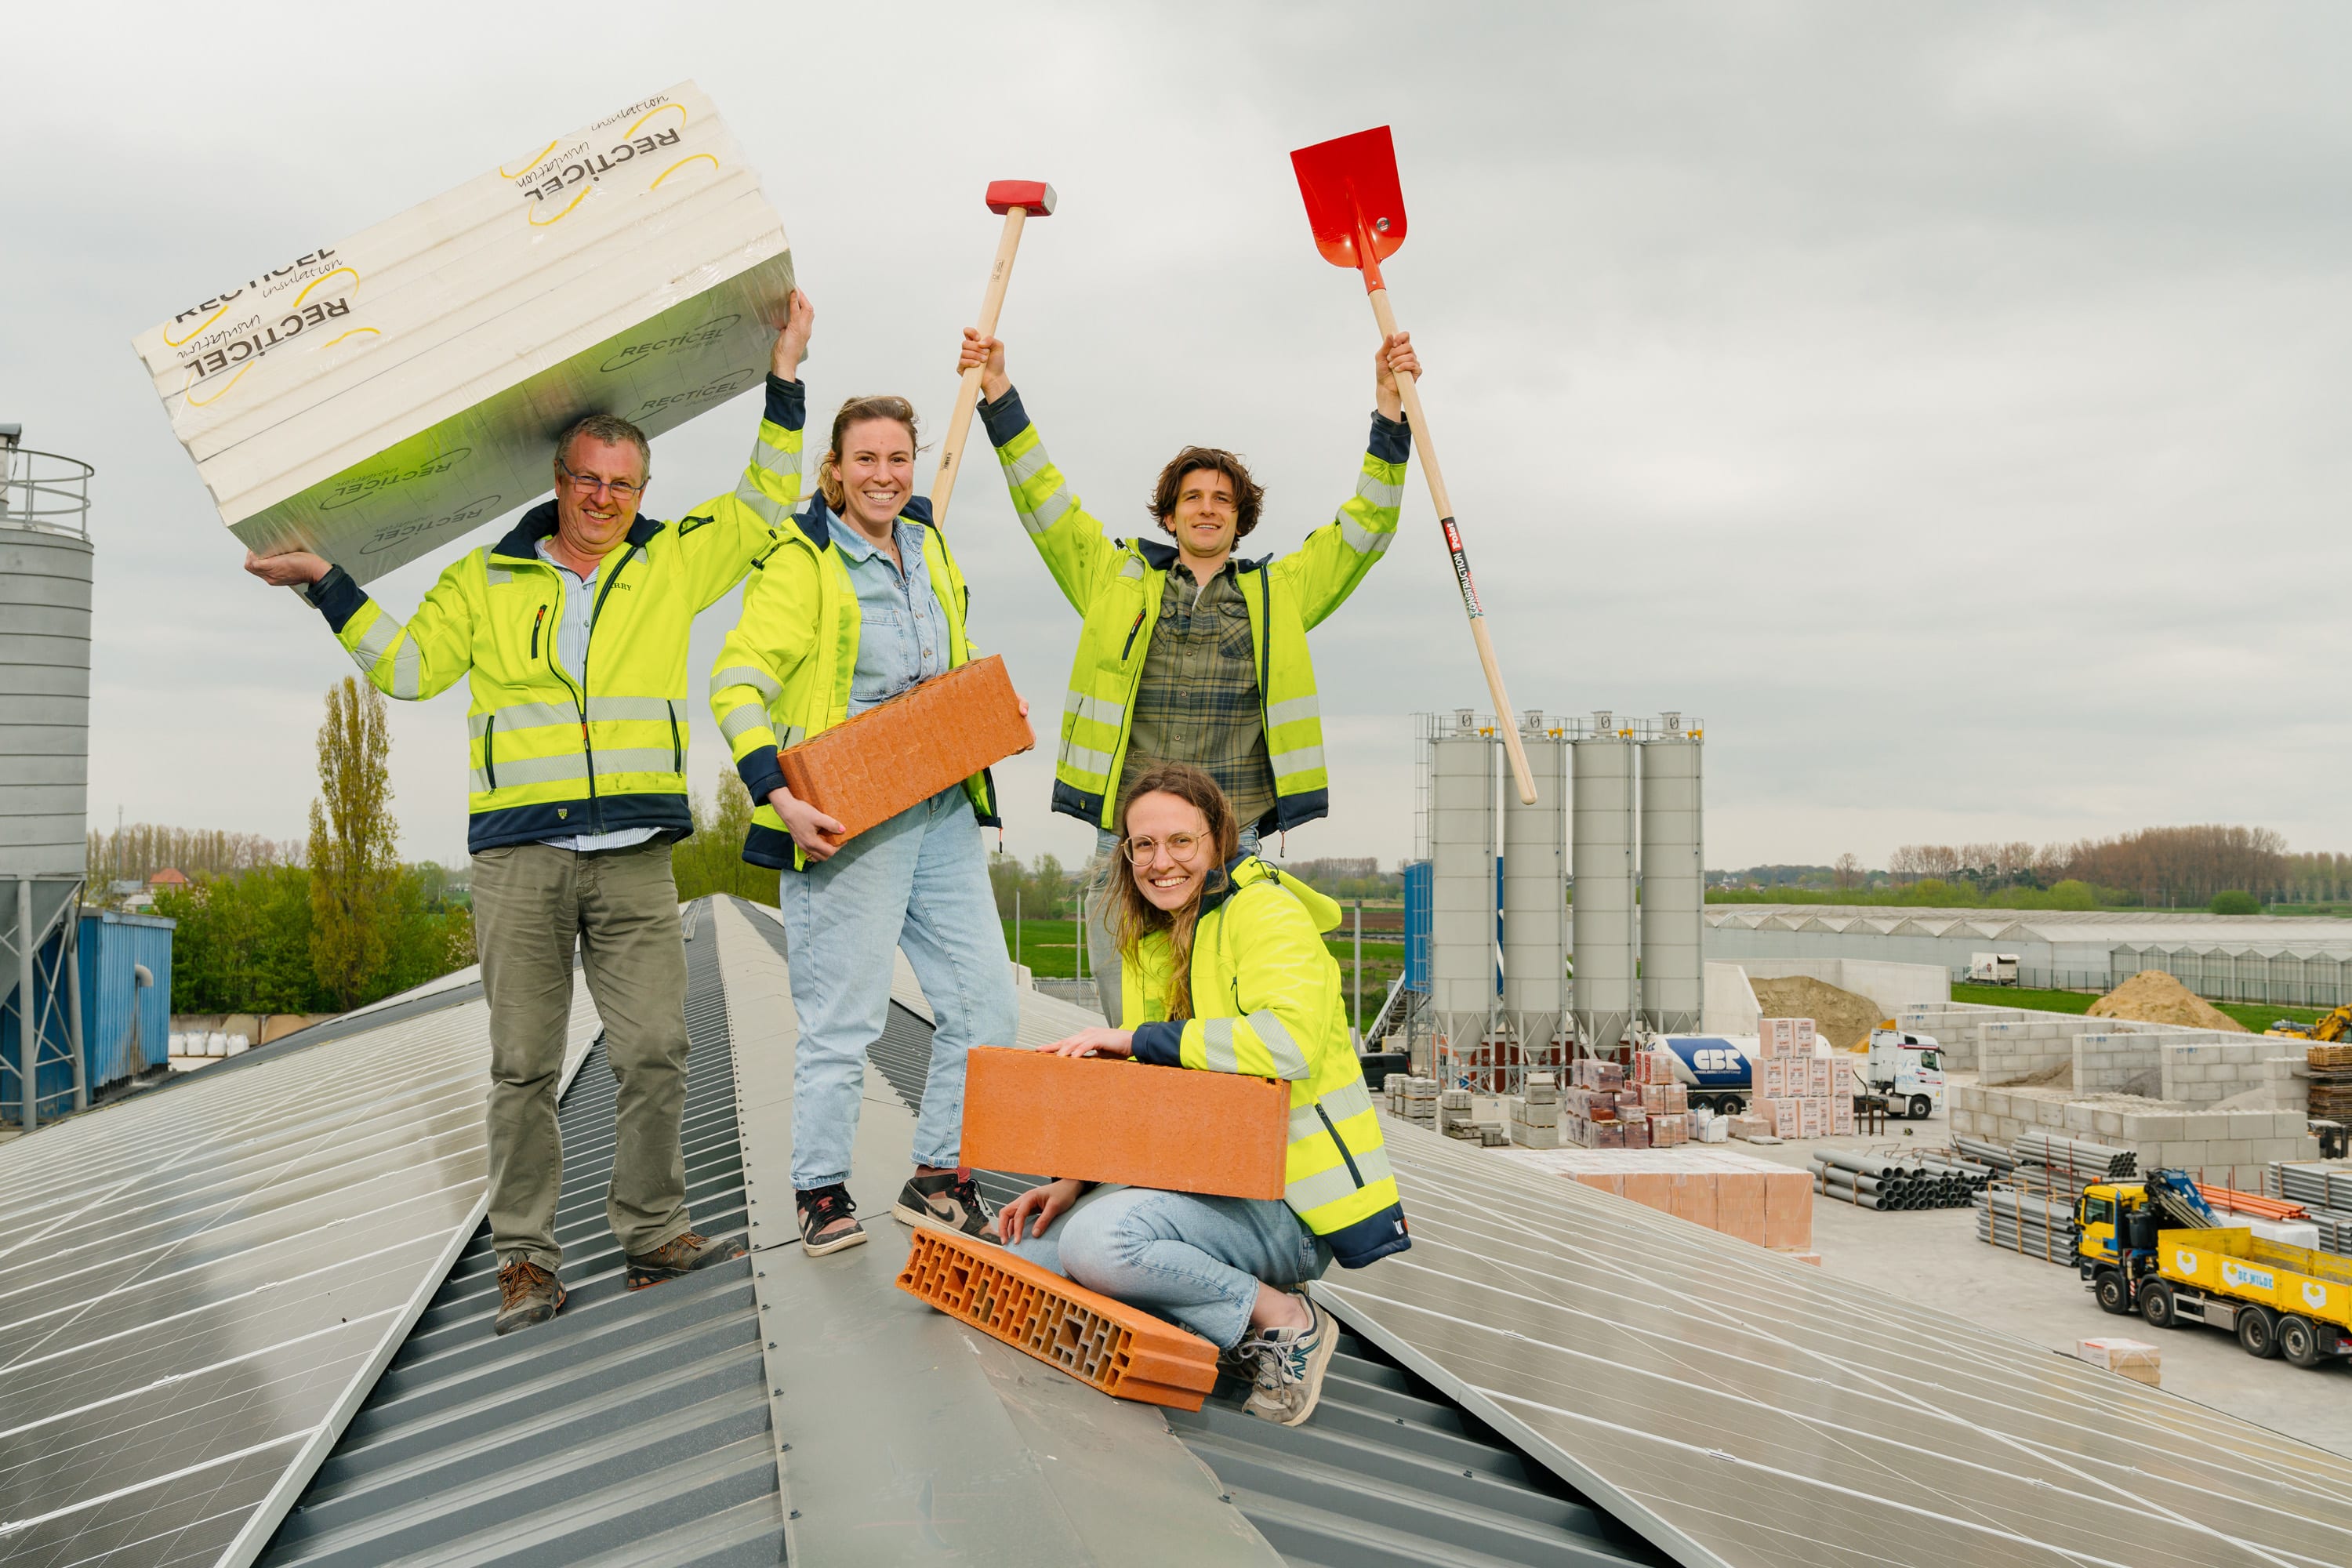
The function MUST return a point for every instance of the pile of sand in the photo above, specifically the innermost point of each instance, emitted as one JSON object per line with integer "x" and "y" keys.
{"x": 1841, "y": 1017}
{"x": 2152, "y": 996}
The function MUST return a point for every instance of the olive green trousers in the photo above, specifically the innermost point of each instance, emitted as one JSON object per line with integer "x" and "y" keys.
{"x": 533, "y": 904}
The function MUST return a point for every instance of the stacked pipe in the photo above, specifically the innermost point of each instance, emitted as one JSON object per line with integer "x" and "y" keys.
{"x": 2057, "y": 1163}
{"x": 1998, "y": 1157}
{"x": 2313, "y": 1185}
{"x": 2031, "y": 1223}
{"x": 1879, "y": 1182}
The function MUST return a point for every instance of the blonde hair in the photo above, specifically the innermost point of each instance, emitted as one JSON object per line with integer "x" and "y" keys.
{"x": 1138, "y": 917}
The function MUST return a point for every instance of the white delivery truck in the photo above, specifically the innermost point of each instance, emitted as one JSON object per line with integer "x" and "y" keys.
{"x": 1908, "y": 1068}
{"x": 1992, "y": 968}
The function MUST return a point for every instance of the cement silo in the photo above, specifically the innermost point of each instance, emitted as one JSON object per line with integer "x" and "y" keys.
{"x": 45, "y": 580}
{"x": 1674, "y": 882}
{"x": 1535, "y": 894}
{"x": 1601, "y": 849}
{"x": 1462, "y": 982}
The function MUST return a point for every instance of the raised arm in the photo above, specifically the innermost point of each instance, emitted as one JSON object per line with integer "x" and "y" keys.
{"x": 1334, "y": 559}
{"x": 1069, "y": 538}
{"x": 421, "y": 659}
{"x": 722, "y": 537}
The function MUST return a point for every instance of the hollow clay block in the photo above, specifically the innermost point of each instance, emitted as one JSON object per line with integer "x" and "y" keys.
{"x": 873, "y": 766}
{"x": 1110, "y": 1120}
{"x": 1121, "y": 1350}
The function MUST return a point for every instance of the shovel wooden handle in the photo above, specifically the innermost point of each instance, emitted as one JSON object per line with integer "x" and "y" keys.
{"x": 1506, "y": 719}
{"x": 991, "y": 305}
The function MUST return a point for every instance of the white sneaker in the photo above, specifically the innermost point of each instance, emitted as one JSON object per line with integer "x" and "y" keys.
{"x": 1288, "y": 1375}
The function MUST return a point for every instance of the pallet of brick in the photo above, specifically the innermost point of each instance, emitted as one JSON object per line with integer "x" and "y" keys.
{"x": 376, "y": 399}
{"x": 935, "y": 734}
{"x": 1812, "y": 1118}
{"x": 1786, "y": 1114}
{"x": 1821, "y": 1077}
{"x": 2135, "y": 1359}
{"x": 1842, "y": 1116}
{"x": 1121, "y": 1350}
{"x": 1773, "y": 1078}
{"x": 1664, "y": 1098}
{"x": 1737, "y": 1194}
{"x": 1118, "y": 1121}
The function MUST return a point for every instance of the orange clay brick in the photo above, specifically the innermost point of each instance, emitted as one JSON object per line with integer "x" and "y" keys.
{"x": 1110, "y": 1120}
{"x": 873, "y": 766}
{"x": 1121, "y": 1350}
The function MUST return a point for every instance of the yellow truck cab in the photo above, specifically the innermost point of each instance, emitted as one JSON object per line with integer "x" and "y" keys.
{"x": 2279, "y": 1300}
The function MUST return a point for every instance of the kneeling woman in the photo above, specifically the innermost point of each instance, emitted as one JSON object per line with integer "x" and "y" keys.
{"x": 1225, "y": 971}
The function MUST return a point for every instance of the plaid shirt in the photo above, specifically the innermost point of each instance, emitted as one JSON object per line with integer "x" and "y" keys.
{"x": 1198, "y": 699}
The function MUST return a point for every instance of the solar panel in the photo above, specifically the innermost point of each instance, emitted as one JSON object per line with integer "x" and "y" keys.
{"x": 1740, "y": 1409}
{"x": 197, "y": 1285}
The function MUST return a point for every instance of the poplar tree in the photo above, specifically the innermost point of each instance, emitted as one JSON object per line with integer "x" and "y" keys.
{"x": 355, "y": 874}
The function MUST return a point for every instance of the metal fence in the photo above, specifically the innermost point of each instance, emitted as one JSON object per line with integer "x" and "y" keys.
{"x": 2279, "y": 979}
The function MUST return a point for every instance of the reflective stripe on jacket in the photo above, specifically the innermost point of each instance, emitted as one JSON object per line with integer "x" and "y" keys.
{"x": 555, "y": 751}
{"x": 1265, "y": 1002}
{"x": 785, "y": 672}
{"x": 1116, "y": 585}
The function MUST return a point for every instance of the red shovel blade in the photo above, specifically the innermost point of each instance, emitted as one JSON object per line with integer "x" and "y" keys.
{"x": 1350, "y": 187}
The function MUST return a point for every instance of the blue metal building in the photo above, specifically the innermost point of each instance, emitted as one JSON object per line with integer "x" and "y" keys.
{"x": 126, "y": 995}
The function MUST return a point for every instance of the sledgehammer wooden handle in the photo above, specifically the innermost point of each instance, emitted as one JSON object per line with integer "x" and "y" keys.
{"x": 1506, "y": 719}
{"x": 991, "y": 305}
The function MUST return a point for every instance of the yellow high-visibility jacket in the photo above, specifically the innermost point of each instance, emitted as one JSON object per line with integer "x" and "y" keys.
{"x": 1265, "y": 1002}
{"x": 1116, "y": 584}
{"x": 785, "y": 672}
{"x": 557, "y": 752}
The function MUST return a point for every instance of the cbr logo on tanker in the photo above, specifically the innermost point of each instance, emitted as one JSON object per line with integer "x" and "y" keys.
{"x": 1715, "y": 1063}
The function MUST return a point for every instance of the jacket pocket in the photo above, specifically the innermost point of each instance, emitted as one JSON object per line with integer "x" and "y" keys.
{"x": 1354, "y": 1174}
{"x": 677, "y": 746}
{"x": 489, "y": 754}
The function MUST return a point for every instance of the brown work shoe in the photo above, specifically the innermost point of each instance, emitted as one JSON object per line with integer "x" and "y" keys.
{"x": 680, "y": 1255}
{"x": 527, "y": 1294}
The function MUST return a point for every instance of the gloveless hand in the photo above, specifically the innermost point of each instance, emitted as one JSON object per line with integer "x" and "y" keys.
{"x": 291, "y": 569}
{"x": 807, "y": 825}
{"x": 1095, "y": 1043}
{"x": 1039, "y": 1206}
{"x": 1394, "y": 358}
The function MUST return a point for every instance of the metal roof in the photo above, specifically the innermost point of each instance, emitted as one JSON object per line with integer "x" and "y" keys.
{"x": 635, "y": 1425}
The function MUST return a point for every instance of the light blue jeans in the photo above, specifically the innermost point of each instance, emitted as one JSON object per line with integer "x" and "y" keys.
{"x": 917, "y": 882}
{"x": 1196, "y": 1261}
{"x": 1102, "y": 947}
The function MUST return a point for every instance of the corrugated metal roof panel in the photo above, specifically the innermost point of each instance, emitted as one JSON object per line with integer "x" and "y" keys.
{"x": 632, "y": 1428}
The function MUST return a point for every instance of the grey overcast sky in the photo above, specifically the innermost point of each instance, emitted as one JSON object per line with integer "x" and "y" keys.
{"x": 1944, "y": 402}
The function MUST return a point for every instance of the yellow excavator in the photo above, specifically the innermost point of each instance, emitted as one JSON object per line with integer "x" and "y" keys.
{"x": 2337, "y": 1025}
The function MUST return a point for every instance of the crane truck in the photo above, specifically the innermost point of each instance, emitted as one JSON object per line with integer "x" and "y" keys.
{"x": 2157, "y": 1247}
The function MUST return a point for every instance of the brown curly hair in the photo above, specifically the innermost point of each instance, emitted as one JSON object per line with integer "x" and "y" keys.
{"x": 1249, "y": 496}
{"x": 1136, "y": 916}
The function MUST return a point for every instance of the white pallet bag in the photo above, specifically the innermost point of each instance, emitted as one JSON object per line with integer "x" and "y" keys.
{"x": 376, "y": 399}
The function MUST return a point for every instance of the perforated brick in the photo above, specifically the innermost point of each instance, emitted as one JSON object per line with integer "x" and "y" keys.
{"x": 1110, "y": 1120}
{"x": 873, "y": 766}
{"x": 1121, "y": 1350}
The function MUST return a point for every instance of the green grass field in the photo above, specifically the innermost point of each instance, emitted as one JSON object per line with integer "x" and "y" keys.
{"x": 1048, "y": 947}
{"x": 2254, "y": 1016}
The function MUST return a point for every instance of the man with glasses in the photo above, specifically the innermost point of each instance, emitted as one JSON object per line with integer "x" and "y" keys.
{"x": 573, "y": 630}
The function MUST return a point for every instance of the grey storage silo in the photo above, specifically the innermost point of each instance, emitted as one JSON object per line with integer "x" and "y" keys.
{"x": 1535, "y": 890}
{"x": 1461, "y": 882}
{"x": 1601, "y": 849}
{"x": 45, "y": 582}
{"x": 1673, "y": 881}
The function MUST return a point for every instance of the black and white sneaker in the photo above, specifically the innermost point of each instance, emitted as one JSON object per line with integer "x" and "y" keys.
{"x": 952, "y": 1198}
{"x": 828, "y": 1220}
{"x": 1290, "y": 1367}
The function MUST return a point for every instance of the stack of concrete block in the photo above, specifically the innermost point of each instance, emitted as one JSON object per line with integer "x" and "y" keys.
{"x": 1535, "y": 1116}
{"x": 1454, "y": 1112}
{"x": 2116, "y": 1061}
{"x": 2217, "y": 1066}
{"x": 1414, "y": 1099}
{"x": 2226, "y": 1148}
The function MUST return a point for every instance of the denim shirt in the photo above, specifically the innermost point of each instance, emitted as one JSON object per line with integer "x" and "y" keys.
{"x": 904, "y": 634}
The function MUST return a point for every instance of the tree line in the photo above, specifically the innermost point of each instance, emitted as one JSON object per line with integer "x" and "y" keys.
{"x": 2157, "y": 867}
{"x": 136, "y": 852}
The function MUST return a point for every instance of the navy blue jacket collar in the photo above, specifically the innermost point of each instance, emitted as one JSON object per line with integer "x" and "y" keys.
{"x": 522, "y": 541}
{"x": 815, "y": 518}
{"x": 1162, "y": 557}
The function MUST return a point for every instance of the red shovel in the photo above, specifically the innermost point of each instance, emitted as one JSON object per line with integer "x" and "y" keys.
{"x": 1357, "y": 210}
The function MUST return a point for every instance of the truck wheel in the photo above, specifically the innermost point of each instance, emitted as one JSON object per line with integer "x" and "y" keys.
{"x": 2156, "y": 1304}
{"x": 2298, "y": 1341}
{"x": 1921, "y": 1108}
{"x": 2258, "y": 1331}
{"x": 2114, "y": 1294}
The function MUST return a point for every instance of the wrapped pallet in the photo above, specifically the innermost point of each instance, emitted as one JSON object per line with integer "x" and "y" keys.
{"x": 377, "y": 398}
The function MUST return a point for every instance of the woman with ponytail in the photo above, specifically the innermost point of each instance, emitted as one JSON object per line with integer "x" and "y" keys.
{"x": 1224, "y": 970}
{"x": 859, "y": 600}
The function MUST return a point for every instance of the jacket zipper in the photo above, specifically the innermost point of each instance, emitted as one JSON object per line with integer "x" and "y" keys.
{"x": 677, "y": 751}
{"x": 1130, "y": 633}
{"x": 1356, "y": 1175}
{"x": 595, "y": 802}
{"x": 535, "y": 621}
{"x": 489, "y": 755}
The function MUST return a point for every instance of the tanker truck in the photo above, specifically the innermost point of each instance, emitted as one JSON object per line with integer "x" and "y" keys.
{"x": 1719, "y": 1070}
